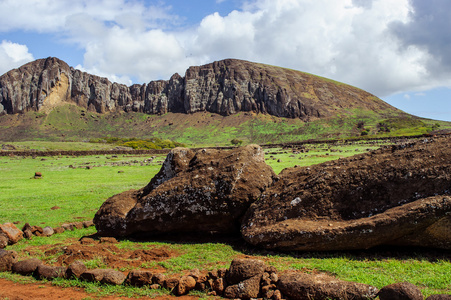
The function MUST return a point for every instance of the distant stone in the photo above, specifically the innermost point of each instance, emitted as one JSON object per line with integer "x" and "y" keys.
{"x": 47, "y": 231}
{"x": 87, "y": 224}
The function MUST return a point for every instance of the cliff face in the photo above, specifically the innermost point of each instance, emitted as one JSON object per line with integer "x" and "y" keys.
{"x": 224, "y": 87}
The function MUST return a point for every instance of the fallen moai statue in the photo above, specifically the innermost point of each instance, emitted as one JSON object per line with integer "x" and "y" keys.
{"x": 195, "y": 191}
{"x": 394, "y": 196}
{"x": 399, "y": 195}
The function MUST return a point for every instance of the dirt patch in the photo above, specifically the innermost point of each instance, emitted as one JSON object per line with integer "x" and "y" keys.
{"x": 36, "y": 291}
{"x": 104, "y": 255}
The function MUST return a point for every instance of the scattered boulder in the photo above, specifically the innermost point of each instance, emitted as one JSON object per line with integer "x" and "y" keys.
{"x": 75, "y": 269}
{"x": 13, "y": 233}
{"x": 50, "y": 272}
{"x": 7, "y": 259}
{"x": 400, "y": 291}
{"x": 186, "y": 284}
{"x": 37, "y": 175}
{"x": 58, "y": 230}
{"x": 139, "y": 278}
{"x": 87, "y": 224}
{"x": 113, "y": 277}
{"x": 47, "y": 231}
{"x": 207, "y": 190}
{"x": 95, "y": 275}
{"x": 302, "y": 286}
{"x": 171, "y": 283}
{"x": 393, "y": 196}
{"x": 26, "y": 267}
{"x": 246, "y": 289}
{"x": 242, "y": 269}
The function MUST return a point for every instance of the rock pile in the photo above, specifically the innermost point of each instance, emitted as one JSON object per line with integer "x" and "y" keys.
{"x": 10, "y": 234}
{"x": 245, "y": 279}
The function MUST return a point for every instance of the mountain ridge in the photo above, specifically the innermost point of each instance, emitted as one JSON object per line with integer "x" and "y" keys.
{"x": 224, "y": 87}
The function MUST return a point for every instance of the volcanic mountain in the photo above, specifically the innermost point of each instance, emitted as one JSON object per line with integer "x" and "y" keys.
{"x": 223, "y": 87}
{"x": 211, "y": 104}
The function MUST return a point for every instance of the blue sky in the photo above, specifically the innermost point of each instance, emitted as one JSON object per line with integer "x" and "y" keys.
{"x": 398, "y": 50}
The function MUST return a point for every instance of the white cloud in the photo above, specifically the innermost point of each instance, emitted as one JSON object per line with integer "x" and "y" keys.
{"x": 13, "y": 55}
{"x": 348, "y": 40}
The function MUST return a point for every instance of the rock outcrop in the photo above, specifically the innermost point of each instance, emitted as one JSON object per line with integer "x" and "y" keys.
{"x": 195, "y": 192}
{"x": 223, "y": 87}
{"x": 398, "y": 196}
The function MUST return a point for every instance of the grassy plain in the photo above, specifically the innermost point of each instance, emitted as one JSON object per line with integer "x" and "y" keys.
{"x": 72, "y": 123}
{"x": 79, "y": 192}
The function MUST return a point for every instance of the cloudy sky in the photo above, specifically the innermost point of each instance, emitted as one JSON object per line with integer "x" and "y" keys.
{"x": 399, "y": 50}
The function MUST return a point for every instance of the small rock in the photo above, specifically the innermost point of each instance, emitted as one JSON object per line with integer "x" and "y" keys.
{"x": 113, "y": 277}
{"x": 55, "y": 207}
{"x": 400, "y": 291}
{"x": 242, "y": 269}
{"x": 87, "y": 241}
{"x": 87, "y": 224}
{"x": 69, "y": 227}
{"x": 108, "y": 240}
{"x": 139, "y": 278}
{"x": 13, "y": 233}
{"x": 186, "y": 284}
{"x": 218, "y": 286}
{"x": 75, "y": 269}
{"x": 247, "y": 289}
{"x": 159, "y": 279}
{"x": 3, "y": 241}
{"x": 26, "y": 267}
{"x": 93, "y": 275}
{"x": 50, "y": 272}
{"x": 58, "y": 230}
{"x": 47, "y": 231}
{"x": 7, "y": 259}
{"x": 171, "y": 283}
{"x": 154, "y": 286}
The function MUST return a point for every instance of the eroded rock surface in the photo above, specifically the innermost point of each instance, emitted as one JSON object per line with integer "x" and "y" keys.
{"x": 224, "y": 87}
{"x": 398, "y": 195}
{"x": 203, "y": 191}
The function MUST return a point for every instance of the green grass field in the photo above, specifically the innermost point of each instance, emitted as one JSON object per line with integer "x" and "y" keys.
{"x": 79, "y": 192}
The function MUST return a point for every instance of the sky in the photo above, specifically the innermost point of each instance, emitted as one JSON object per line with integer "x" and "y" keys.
{"x": 399, "y": 50}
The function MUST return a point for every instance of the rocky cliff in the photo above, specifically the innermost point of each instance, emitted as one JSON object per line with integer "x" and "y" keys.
{"x": 223, "y": 87}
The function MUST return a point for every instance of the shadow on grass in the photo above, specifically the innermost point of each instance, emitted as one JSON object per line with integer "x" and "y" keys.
{"x": 238, "y": 244}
